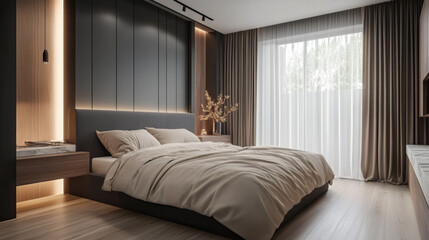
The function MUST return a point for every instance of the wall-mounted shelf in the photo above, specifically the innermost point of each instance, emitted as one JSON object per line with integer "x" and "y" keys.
{"x": 50, "y": 167}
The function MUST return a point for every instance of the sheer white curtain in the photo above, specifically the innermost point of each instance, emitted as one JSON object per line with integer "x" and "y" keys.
{"x": 310, "y": 88}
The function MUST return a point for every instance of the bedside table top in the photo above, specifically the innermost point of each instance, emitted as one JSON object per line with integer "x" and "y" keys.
{"x": 215, "y": 138}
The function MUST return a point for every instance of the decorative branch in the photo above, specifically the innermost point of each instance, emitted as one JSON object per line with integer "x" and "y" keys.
{"x": 219, "y": 110}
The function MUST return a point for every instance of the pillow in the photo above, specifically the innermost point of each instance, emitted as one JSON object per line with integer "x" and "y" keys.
{"x": 165, "y": 136}
{"x": 119, "y": 142}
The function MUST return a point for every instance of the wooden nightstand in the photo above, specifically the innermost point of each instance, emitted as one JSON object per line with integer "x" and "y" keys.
{"x": 42, "y": 168}
{"x": 215, "y": 138}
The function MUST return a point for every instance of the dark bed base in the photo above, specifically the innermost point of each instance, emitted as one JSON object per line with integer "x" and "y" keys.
{"x": 89, "y": 186}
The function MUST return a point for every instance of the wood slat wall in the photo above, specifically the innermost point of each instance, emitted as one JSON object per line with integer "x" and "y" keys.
{"x": 208, "y": 58}
{"x": 131, "y": 55}
{"x": 35, "y": 106}
{"x": 200, "y": 80}
{"x": 37, "y": 96}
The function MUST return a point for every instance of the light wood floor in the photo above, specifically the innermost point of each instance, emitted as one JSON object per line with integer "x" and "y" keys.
{"x": 350, "y": 210}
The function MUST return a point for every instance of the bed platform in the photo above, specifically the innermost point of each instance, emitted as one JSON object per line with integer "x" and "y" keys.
{"x": 89, "y": 186}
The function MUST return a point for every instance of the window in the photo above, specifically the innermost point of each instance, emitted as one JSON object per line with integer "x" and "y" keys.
{"x": 310, "y": 95}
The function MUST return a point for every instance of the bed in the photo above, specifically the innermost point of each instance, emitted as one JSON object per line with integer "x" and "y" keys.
{"x": 209, "y": 220}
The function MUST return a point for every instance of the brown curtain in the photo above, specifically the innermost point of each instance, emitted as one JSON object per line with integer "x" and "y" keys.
{"x": 239, "y": 81}
{"x": 390, "y": 96}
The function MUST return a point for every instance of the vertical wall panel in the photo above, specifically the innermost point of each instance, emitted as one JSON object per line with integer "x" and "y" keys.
{"x": 131, "y": 55}
{"x": 125, "y": 51}
{"x": 182, "y": 66}
{"x": 104, "y": 54}
{"x": 171, "y": 63}
{"x": 83, "y": 54}
{"x": 146, "y": 57}
{"x": 162, "y": 49}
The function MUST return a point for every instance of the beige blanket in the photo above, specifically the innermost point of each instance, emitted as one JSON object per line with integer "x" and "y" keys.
{"x": 249, "y": 190}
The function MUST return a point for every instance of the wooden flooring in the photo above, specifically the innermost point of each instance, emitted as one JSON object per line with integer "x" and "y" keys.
{"x": 350, "y": 210}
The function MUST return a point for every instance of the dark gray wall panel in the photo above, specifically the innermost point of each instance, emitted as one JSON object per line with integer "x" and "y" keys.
{"x": 171, "y": 63}
{"x": 83, "y": 54}
{"x": 131, "y": 55}
{"x": 182, "y": 66}
{"x": 146, "y": 57}
{"x": 162, "y": 48}
{"x": 104, "y": 54}
{"x": 124, "y": 84}
{"x": 8, "y": 110}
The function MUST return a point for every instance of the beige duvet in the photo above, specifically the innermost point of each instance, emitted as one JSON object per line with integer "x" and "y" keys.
{"x": 249, "y": 190}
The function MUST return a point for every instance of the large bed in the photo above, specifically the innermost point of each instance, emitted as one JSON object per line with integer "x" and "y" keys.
{"x": 221, "y": 188}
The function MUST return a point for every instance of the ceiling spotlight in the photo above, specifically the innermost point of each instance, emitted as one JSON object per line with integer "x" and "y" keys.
{"x": 184, "y": 8}
{"x": 204, "y": 18}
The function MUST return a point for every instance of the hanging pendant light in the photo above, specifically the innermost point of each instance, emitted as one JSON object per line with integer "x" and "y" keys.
{"x": 45, "y": 55}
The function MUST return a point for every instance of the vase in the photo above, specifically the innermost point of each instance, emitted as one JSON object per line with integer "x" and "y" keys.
{"x": 218, "y": 128}
{"x": 214, "y": 127}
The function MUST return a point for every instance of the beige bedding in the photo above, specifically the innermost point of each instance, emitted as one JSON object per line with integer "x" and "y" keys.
{"x": 249, "y": 190}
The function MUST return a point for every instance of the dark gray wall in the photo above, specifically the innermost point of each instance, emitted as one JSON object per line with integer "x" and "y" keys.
{"x": 131, "y": 55}
{"x": 8, "y": 110}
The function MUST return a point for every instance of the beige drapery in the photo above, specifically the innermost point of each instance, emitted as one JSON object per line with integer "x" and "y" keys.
{"x": 390, "y": 96}
{"x": 239, "y": 81}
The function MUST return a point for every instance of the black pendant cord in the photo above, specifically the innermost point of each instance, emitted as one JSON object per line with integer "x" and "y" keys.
{"x": 45, "y": 55}
{"x": 44, "y": 20}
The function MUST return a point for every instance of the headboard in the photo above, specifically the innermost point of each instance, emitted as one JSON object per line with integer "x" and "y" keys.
{"x": 88, "y": 121}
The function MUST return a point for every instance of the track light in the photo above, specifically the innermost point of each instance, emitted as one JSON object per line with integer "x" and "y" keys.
{"x": 184, "y": 7}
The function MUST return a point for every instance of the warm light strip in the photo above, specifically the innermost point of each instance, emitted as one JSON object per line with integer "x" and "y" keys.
{"x": 58, "y": 67}
{"x": 199, "y": 29}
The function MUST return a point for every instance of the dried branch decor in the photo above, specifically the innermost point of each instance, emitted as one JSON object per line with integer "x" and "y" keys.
{"x": 217, "y": 111}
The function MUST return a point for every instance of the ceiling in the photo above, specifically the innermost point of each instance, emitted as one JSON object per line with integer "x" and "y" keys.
{"x": 238, "y": 15}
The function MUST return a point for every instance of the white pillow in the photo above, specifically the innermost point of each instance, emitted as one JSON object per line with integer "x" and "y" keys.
{"x": 165, "y": 136}
{"x": 119, "y": 142}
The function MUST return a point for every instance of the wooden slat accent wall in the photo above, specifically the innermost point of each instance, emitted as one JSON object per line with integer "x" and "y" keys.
{"x": 200, "y": 80}
{"x": 36, "y": 96}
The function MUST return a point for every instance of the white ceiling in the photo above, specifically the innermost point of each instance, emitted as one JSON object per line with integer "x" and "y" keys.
{"x": 238, "y": 15}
